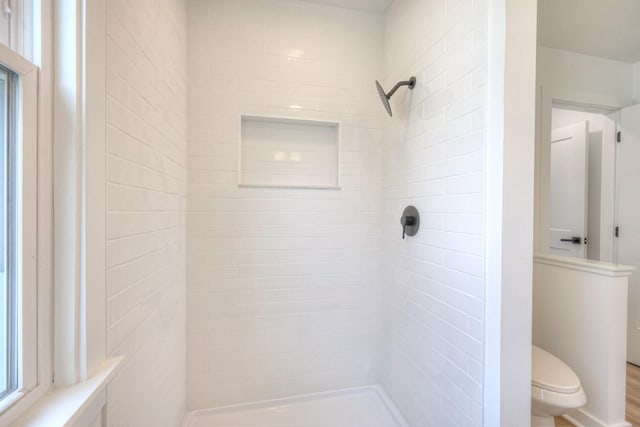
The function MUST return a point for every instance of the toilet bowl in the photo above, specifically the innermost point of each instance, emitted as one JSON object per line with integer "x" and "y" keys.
{"x": 555, "y": 388}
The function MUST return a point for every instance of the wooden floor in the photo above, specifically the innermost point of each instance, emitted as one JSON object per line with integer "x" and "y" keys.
{"x": 633, "y": 394}
{"x": 633, "y": 399}
{"x": 561, "y": 422}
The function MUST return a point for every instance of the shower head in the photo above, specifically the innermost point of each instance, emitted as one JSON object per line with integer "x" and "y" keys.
{"x": 385, "y": 97}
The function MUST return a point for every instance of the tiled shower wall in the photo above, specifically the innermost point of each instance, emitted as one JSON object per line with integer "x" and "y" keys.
{"x": 146, "y": 200}
{"x": 283, "y": 284}
{"x": 433, "y": 298}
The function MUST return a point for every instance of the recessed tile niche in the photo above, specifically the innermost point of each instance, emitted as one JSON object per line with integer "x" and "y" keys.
{"x": 291, "y": 153}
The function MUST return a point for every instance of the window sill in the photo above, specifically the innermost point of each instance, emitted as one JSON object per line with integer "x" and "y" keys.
{"x": 68, "y": 405}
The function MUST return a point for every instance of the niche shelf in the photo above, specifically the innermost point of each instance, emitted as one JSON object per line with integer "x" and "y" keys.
{"x": 289, "y": 153}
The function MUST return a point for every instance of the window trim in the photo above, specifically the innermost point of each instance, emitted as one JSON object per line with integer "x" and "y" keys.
{"x": 74, "y": 82}
{"x": 77, "y": 29}
{"x": 31, "y": 381}
{"x": 79, "y": 153}
{"x": 40, "y": 31}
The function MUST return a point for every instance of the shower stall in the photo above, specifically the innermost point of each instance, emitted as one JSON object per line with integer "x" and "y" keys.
{"x": 305, "y": 305}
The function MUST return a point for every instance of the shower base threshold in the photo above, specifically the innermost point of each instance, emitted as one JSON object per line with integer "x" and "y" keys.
{"x": 359, "y": 407}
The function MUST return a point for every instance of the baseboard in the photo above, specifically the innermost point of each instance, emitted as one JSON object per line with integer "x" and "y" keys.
{"x": 582, "y": 418}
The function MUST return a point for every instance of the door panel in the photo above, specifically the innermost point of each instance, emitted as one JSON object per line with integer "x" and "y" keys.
{"x": 568, "y": 190}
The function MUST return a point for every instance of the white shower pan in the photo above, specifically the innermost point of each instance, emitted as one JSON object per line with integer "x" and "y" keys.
{"x": 360, "y": 407}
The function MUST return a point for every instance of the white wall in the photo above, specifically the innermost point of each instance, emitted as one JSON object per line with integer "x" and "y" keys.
{"x": 433, "y": 290}
{"x": 590, "y": 337}
{"x": 509, "y": 214}
{"x": 283, "y": 284}
{"x": 146, "y": 190}
{"x": 577, "y": 79}
{"x": 578, "y": 72}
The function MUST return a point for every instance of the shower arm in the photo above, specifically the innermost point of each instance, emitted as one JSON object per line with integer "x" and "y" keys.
{"x": 411, "y": 83}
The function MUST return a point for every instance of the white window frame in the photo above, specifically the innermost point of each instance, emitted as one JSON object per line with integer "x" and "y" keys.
{"x": 31, "y": 38}
{"x": 71, "y": 167}
{"x": 29, "y": 377}
{"x": 20, "y": 35}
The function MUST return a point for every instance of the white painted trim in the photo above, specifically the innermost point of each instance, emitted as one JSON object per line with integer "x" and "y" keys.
{"x": 66, "y": 158}
{"x": 616, "y": 188}
{"x": 582, "y": 418}
{"x": 588, "y": 100}
{"x": 510, "y": 162}
{"x": 85, "y": 140}
{"x": 19, "y": 38}
{"x": 15, "y": 28}
{"x": 94, "y": 326}
{"x": 68, "y": 405}
{"x": 492, "y": 390}
{"x": 79, "y": 191}
{"x": 27, "y": 154}
{"x": 608, "y": 190}
{"x": 95, "y": 409}
{"x": 547, "y": 97}
{"x": 596, "y": 267}
{"x": 30, "y": 350}
{"x": 42, "y": 56}
{"x": 13, "y": 60}
{"x": 636, "y": 83}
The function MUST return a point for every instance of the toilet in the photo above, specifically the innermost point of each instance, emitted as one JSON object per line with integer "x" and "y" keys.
{"x": 555, "y": 388}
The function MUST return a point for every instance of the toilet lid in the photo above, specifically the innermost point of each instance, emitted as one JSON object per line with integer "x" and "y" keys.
{"x": 550, "y": 373}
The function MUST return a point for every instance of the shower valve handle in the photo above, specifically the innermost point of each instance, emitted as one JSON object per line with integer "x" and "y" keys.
{"x": 410, "y": 221}
{"x": 407, "y": 221}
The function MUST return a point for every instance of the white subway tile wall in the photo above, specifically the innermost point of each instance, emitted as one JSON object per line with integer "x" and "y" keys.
{"x": 433, "y": 288}
{"x": 146, "y": 164}
{"x": 283, "y": 284}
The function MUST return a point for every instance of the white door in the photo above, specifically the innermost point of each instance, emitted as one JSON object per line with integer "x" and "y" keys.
{"x": 628, "y": 201}
{"x": 568, "y": 190}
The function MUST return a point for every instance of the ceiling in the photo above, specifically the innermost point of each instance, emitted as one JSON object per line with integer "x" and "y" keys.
{"x": 375, "y": 6}
{"x": 605, "y": 28}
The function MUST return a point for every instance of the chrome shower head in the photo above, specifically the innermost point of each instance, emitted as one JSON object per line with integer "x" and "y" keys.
{"x": 385, "y": 97}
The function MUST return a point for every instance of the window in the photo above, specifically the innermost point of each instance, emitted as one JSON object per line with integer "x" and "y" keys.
{"x": 19, "y": 346}
{"x": 16, "y": 25}
{"x": 8, "y": 247}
